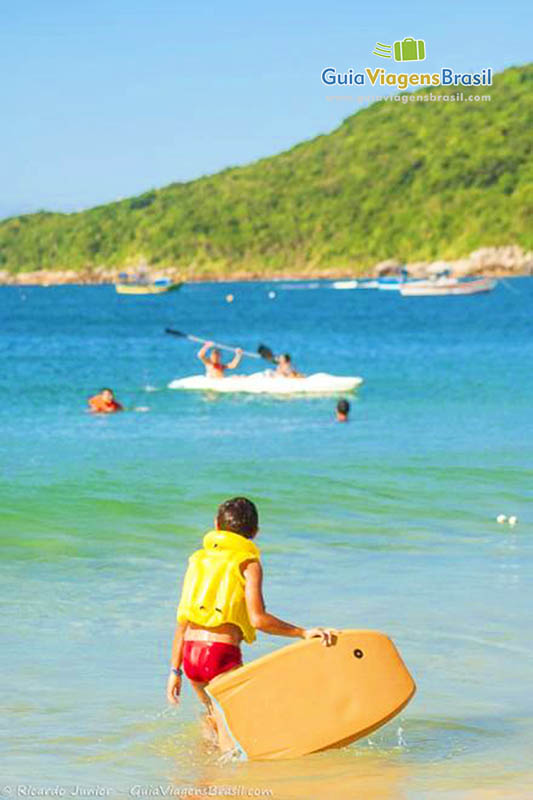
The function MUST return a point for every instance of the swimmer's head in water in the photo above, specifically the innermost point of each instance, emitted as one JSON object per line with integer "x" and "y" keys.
{"x": 215, "y": 356}
{"x": 343, "y": 409}
{"x": 107, "y": 394}
{"x": 285, "y": 359}
{"x": 238, "y": 515}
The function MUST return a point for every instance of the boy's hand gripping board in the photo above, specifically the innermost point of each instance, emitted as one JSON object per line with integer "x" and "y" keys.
{"x": 308, "y": 697}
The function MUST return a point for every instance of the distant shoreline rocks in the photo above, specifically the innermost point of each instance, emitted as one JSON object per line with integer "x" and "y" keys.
{"x": 496, "y": 262}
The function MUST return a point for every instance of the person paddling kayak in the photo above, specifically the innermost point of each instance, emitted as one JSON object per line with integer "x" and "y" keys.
{"x": 214, "y": 368}
{"x": 285, "y": 367}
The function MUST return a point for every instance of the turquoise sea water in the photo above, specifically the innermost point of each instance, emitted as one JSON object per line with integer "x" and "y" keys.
{"x": 387, "y": 523}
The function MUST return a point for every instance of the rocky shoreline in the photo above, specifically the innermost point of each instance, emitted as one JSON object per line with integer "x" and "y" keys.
{"x": 496, "y": 262}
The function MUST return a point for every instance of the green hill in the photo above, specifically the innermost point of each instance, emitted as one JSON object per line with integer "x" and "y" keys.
{"x": 415, "y": 180}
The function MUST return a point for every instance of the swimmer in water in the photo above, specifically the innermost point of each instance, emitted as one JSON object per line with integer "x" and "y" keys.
{"x": 342, "y": 410}
{"x": 214, "y": 368}
{"x": 104, "y": 402}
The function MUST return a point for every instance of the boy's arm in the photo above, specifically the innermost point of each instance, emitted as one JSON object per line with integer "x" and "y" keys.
{"x": 236, "y": 360}
{"x": 174, "y": 678}
{"x": 202, "y": 352}
{"x": 268, "y": 623}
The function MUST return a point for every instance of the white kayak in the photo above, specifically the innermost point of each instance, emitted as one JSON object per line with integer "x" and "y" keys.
{"x": 269, "y": 383}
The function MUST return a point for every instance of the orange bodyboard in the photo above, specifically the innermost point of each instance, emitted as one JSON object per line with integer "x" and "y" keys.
{"x": 308, "y": 697}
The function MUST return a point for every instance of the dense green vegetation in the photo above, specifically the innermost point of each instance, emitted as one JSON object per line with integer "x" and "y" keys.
{"x": 415, "y": 180}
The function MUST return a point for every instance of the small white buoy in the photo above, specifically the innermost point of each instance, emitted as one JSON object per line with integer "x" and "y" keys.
{"x": 229, "y": 298}
{"x": 501, "y": 518}
{"x": 512, "y": 521}
{"x": 272, "y": 295}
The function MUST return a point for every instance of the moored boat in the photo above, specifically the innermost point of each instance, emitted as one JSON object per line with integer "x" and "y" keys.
{"x": 345, "y": 284}
{"x": 144, "y": 284}
{"x": 447, "y": 286}
{"x": 367, "y": 283}
{"x": 393, "y": 281}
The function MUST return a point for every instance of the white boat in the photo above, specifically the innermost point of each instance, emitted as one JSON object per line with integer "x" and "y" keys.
{"x": 269, "y": 383}
{"x": 345, "y": 284}
{"x": 367, "y": 283}
{"x": 447, "y": 286}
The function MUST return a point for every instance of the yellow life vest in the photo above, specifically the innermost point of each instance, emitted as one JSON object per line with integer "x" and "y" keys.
{"x": 213, "y": 588}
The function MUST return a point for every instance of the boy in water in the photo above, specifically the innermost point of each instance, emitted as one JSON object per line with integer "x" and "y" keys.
{"x": 104, "y": 402}
{"x": 214, "y": 368}
{"x": 222, "y": 604}
{"x": 342, "y": 411}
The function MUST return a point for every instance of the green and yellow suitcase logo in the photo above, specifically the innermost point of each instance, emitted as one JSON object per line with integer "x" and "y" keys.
{"x": 407, "y": 49}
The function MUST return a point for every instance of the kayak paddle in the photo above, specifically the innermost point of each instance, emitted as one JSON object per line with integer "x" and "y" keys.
{"x": 192, "y": 338}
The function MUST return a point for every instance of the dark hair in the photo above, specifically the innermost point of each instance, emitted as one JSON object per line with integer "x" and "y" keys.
{"x": 106, "y": 389}
{"x": 287, "y": 357}
{"x": 238, "y": 515}
{"x": 343, "y": 406}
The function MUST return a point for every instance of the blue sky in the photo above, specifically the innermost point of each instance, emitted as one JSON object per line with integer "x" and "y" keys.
{"x": 103, "y": 100}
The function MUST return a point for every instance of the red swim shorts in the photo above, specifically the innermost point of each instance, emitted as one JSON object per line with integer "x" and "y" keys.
{"x": 203, "y": 661}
